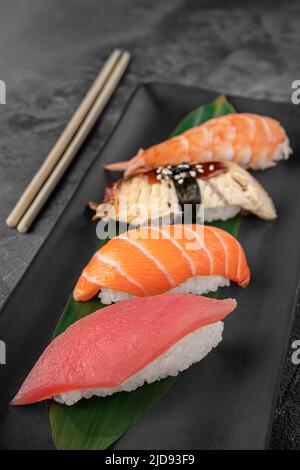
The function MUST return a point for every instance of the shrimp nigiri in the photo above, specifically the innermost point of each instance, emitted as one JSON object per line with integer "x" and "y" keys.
{"x": 253, "y": 141}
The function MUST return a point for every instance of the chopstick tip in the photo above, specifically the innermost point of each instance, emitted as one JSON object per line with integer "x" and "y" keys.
{"x": 22, "y": 228}
{"x": 11, "y": 222}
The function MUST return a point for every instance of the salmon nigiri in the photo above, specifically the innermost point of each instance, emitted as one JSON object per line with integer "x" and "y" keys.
{"x": 120, "y": 347}
{"x": 171, "y": 258}
{"x": 251, "y": 140}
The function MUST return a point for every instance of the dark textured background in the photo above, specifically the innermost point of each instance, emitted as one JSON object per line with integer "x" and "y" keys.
{"x": 50, "y": 52}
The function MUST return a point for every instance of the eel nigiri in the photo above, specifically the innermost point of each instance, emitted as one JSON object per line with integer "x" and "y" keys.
{"x": 120, "y": 347}
{"x": 224, "y": 190}
{"x": 251, "y": 140}
{"x": 153, "y": 260}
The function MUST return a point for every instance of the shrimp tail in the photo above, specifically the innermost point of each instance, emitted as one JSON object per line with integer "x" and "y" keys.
{"x": 119, "y": 166}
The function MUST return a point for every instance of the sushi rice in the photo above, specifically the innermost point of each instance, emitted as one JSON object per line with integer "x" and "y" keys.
{"x": 189, "y": 350}
{"x": 220, "y": 213}
{"x": 195, "y": 285}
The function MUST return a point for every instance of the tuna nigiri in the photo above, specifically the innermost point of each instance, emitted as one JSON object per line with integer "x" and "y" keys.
{"x": 120, "y": 347}
{"x": 153, "y": 260}
{"x": 251, "y": 140}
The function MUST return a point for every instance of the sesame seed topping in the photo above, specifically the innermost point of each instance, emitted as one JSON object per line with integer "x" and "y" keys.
{"x": 211, "y": 167}
{"x": 184, "y": 165}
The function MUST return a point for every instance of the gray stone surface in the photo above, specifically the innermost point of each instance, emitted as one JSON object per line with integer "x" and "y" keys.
{"x": 50, "y": 52}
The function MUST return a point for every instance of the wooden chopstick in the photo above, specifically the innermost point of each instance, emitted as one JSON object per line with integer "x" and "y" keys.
{"x": 63, "y": 141}
{"x": 76, "y": 143}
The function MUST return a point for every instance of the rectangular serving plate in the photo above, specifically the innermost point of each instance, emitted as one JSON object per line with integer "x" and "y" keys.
{"x": 227, "y": 400}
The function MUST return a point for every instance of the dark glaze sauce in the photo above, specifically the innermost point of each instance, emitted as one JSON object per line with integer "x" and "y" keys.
{"x": 184, "y": 177}
{"x": 184, "y": 170}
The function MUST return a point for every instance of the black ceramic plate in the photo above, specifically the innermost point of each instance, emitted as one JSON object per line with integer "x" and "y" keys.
{"x": 227, "y": 400}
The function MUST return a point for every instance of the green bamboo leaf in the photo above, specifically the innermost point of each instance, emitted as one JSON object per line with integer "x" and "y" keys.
{"x": 99, "y": 422}
{"x": 218, "y": 107}
{"x": 231, "y": 225}
{"x": 96, "y": 423}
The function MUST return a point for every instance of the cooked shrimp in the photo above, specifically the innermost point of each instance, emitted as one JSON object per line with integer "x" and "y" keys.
{"x": 251, "y": 140}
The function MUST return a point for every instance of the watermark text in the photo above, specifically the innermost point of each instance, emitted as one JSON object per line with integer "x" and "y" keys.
{"x": 296, "y": 353}
{"x": 2, "y": 353}
{"x": 296, "y": 94}
{"x": 2, "y": 92}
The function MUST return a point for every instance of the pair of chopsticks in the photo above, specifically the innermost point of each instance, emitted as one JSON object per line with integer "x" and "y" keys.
{"x": 69, "y": 142}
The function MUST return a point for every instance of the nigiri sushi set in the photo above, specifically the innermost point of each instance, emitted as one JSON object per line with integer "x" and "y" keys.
{"x": 150, "y": 281}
